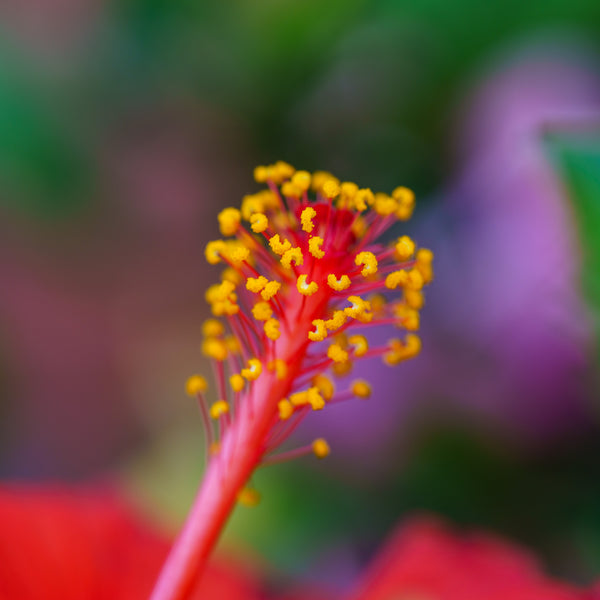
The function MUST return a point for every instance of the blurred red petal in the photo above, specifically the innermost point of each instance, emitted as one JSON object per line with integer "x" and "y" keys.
{"x": 426, "y": 561}
{"x": 61, "y": 545}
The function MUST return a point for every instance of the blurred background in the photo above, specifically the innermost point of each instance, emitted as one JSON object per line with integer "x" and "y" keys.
{"x": 126, "y": 126}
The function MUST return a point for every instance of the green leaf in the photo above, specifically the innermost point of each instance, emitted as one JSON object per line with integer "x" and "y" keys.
{"x": 578, "y": 161}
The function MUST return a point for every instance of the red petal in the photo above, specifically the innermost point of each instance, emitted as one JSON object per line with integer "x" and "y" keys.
{"x": 58, "y": 544}
{"x": 427, "y": 561}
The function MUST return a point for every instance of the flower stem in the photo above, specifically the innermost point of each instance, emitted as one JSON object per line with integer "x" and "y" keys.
{"x": 241, "y": 451}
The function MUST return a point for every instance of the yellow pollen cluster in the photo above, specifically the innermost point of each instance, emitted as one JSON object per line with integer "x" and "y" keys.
{"x": 278, "y": 246}
{"x": 292, "y": 255}
{"x": 337, "y": 354}
{"x": 229, "y": 220}
{"x": 262, "y": 311}
{"x": 305, "y": 288}
{"x": 259, "y": 222}
{"x": 308, "y": 214}
{"x": 343, "y": 283}
{"x": 196, "y": 384}
{"x": 311, "y": 396}
{"x": 360, "y": 345}
{"x": 361, "y": 389}
{"x": 338, "y": 320}
{"x": 315, "y": 244}
{"x": 402, "y": 351}
{"x": 237, "y": 382}
{"x": 369, "y": 260}
{"x": 324, "y": 385}
{"x": 218, "y": 409}
{"x": 404, "y": 247}
{"x": 320, "y": 332}
{"x": 360, "y": 309}
{"x": 321, "y": 448}
{"x": 330, "y": 188}
{"x": 279, "y": 367}
{"x": 271, "y": 328}
{"x": 253, "y": 370}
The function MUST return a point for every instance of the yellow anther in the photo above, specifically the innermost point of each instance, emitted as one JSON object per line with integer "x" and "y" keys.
{"x": 272, "y": 329}
{"x": 301, "y": 179}
{"x": 360, "y": 344}
{"x": 248, "y": 497}
{"x": 214, "y": 348}
{"x": 364, "y": 197}
{"x": 220, "y": 291}
{"x": 259, "y": 222}
{"x": 320, "y": 332}
{"x": 253, "y": 370}
{"x": 290, "y": 190}
{"x": 407, "y": 317}
{"x": 403, "y": 213}
{"x": 232, "y": 275}
{"x": 229, "y": 220}
{"x": 359, "y": 310}
{"x": 378, "y": 303}
{"x": 212, "y": 328}
{"x": 399, "y": 351}
{"x": 395, "y": 279}
{"x": 385, "y": 205}
{"x": 414, "y": 299}
{"x": 405, "y": 248}
{"x": 270, "y": 290}
{"x": 404, "y": 196}
{"x": 347, "y": 194}
{"x": 293, "y": 254}
{"x": 415, "y": 280}
{"x": 283, "y": 170}
{"x": 337, "y": 354}
{"x": 340, "y": 284}
{"x": 306, "y": 217}
{"x": 280, "y": 368}
{"x": 320, "y": 448}
{"x": 261, "y": 174}
{"x": 237, "y": 382}
{"x": 369, "y": 260}
{"x": 238, "y": 254}
{"x": 314, "y": 398}
{"x": 338, "y": 319}
{"x": 330, "y": 188}
{"x": 315, "y": 246}
{"x": 305, "y": 288}
{"x": 299, "y": 398}
{"x": 214, "y": 251}
{"x": 341, "y": 369}
{"x": 196, "y": 384}
{"x": 214, "y": 448}
{"x": 225, "y": 307}
{"x": 233, "y": 345}
{"x": 256, "y": 284}
{"x": 219, "y": 408}
{"x": 361, "y": 389}
{"x": 278, "y": 246}
{"x": 359, "y": 227}
{"x": 424, "y": 256}
{"x": 258, "y": 203}
{"x": 262, "y": 311}
{"x": 424, "y": 259}
{"x": 286, "y": 409}
{"x": 324, "y": 385}
{"x": 319, "y": 178}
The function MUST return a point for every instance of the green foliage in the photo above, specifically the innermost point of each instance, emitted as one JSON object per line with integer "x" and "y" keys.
{"x": 42, "y": 168}
{"x": 578, "y": 160}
